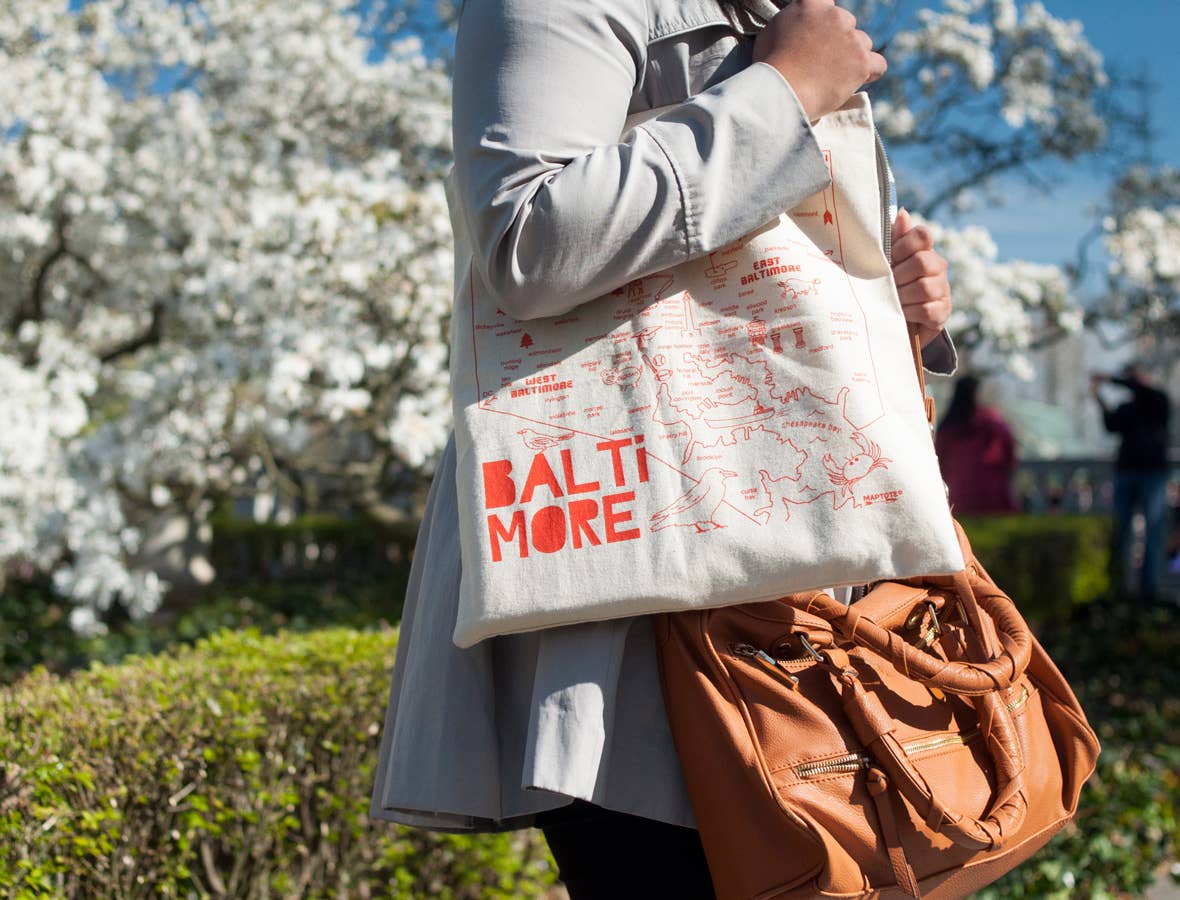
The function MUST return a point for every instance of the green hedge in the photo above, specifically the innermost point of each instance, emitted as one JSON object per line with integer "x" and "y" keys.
{"x": 359, "y": 573}
{"x": 239, "y": 767}
{"x": 1049, "y": 564}
{"x": 311, "y": 546}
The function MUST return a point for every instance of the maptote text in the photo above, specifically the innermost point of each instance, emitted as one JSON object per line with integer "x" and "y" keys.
{"x": 577, "y": 520}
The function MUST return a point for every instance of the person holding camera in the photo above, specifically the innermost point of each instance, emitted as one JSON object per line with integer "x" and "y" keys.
{"x": 1140, "y": 475}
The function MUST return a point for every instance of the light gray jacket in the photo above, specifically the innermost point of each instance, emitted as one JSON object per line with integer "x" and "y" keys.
{"x": 556, "y": 210}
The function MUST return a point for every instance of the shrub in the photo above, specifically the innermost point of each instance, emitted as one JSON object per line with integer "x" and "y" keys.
{"x": 1049, "y": 564}
{"x": 310, "y": 573}
{"x": 1122, "y": 663}
{"x": 35, "y": 629}
{"x": 241, "y": 767}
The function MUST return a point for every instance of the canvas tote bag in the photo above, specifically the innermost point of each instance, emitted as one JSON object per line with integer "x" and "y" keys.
{"x": 736, "y": 428}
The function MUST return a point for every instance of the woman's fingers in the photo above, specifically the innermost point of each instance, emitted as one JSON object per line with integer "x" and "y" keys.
{"x": 878, "y": 66}
{"x": 929, "y": 312}
{"x": 923, "y": 264}
{"x": 933, "y": 312}
{"x": 914, "y": 240}
{"x": 920, "y": 273}
{"x": 926, "y": 302}
{"x": 902, "y": 223}
{"x": 817, "y": 47}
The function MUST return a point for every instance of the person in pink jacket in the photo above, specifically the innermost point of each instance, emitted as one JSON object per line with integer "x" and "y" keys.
{"x": 977, "y": 453}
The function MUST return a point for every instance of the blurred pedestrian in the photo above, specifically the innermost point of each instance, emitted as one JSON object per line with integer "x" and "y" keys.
{"x": 1140, "y": 476}
{"x": 977, "y": 453}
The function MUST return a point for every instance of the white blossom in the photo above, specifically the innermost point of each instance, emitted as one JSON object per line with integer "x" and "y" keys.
{"x": 1008, "y": 304}
{"x": 1144, "y": 250}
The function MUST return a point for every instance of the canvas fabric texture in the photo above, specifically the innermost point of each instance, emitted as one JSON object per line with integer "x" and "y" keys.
{"x": 741, "y": 426}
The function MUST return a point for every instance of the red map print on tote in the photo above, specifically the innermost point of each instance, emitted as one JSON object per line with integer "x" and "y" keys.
{"x": 700, "y": 374}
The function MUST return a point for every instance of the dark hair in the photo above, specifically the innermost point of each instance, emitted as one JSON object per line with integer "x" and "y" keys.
{"x": 962, "y": 406}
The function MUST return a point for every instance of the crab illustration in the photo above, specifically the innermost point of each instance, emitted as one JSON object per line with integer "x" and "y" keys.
{"x": 855, "y": 467}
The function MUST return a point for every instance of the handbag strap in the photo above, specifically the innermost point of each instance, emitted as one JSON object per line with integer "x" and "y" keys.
{"x": 965, "y": 678}
{"x": 916, "y": 350}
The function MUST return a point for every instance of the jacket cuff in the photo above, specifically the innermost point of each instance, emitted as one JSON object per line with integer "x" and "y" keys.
{"x": 940, "y": 357}
{"x": 723, "y": 143}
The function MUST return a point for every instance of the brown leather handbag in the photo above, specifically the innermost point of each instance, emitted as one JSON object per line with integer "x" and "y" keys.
{"x": 919, "y": 742}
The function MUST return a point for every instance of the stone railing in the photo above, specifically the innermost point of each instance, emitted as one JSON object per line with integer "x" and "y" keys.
{"x": 1081, "y": 485}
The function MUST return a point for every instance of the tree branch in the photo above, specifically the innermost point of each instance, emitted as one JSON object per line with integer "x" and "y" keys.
{"x": 149, "y": 337}
{"x": 1000, "y": 163}
{"x": 34, "y": 309}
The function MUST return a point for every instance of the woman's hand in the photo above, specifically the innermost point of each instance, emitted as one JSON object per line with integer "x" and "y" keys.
{"x": 817, "y": 47}
{"x": 921, "y": 276}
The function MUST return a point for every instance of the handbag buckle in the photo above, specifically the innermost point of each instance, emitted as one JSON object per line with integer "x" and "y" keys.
{"x": 826, "y": 659}
{"x": 810, "y": 650}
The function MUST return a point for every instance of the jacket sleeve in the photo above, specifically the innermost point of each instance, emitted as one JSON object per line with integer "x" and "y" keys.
{"x": 1116, "y": 420}
{"x": 559, "y": 209}
{"x": 940, "y": 357}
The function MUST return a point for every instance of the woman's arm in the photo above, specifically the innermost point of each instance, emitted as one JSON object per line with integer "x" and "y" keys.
{"x": 558, "y": 209}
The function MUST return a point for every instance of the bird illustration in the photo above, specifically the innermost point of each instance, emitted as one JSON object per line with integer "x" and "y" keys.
{"x": 698, "y": 505}
{"x": 535, "y": 440}
{"x": 642, "y": 337}
{"x": 855, "y": 467}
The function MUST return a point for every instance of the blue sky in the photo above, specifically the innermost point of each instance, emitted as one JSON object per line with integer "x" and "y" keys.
{"x": 1131, "y": 35}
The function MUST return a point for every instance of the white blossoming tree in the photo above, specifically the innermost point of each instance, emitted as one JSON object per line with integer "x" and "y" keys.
{"x": 977, "y": 91}
{"x": 1003, "y": 309}
{"x": 224, "y": 267}
{"x": 1142, "y": 239}
{"x": 983, "y": 88}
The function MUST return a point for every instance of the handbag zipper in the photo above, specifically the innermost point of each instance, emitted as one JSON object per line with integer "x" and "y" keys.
{"x": 854, "y": 762}
{"x": 765, "y": 661}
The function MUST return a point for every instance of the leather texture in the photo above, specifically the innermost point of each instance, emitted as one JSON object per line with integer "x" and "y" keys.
{"x": 917, "y": 743}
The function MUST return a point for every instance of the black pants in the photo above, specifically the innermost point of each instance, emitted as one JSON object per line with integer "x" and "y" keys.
{"x": 602, "y": 854}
